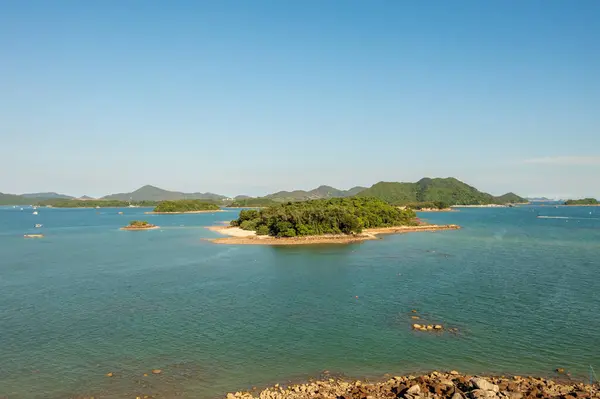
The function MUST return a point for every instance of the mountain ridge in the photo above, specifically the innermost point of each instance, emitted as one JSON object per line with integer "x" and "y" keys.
{"x": 153, "y": 193}
{"x": 449, "y": 190}
{"x": 47, "y": 195}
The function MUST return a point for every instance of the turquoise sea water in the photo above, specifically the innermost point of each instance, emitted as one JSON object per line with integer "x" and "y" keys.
{"x": 89, "y": 299}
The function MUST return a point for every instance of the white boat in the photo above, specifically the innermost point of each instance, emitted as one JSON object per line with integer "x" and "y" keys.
{"x": 35, "y": 212}
{"x": 39, "y": 225}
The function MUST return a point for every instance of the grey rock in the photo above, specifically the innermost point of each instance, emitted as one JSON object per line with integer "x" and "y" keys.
{"x": 414, "y": 390}
{"x": 512, "y": 395}
{"x": 482, "y": 383}
{"x": 482, "y": 394}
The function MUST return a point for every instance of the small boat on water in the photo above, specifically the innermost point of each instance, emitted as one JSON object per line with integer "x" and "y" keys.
{"x": 39, "y": 225}
{"x": 33, "y": 236}
{"x": 34, "y": 213}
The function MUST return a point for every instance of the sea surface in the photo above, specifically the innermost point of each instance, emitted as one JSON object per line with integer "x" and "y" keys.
{"x": 88, "y": 299}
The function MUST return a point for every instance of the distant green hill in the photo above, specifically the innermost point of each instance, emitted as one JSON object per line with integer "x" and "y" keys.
{"x": 510, "y": 198}
{"x": 321, "y": 192}
{"x": 252, "y": 202}
{"x": 151, "y": 193}
{"x": 11, "y": 199}
{"x": 449, "y": 190}
{"x": 50, "y": 195}
{"x": 583, "y": 201}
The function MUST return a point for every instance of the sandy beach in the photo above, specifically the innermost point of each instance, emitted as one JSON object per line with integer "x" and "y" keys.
{"x": 238, "y": 236}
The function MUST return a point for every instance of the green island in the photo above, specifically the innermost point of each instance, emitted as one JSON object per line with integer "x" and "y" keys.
{"x": 75, "y": 203}
{"x": 319, "y": 217}
{"x": 583, "y": 201}
{"x": 323, "y": 221}
{"x": 139, "y": 225}
{"x": 186, "y": 206}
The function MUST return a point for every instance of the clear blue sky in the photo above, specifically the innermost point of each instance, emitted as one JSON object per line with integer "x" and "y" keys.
{"x": 249, "y": 97}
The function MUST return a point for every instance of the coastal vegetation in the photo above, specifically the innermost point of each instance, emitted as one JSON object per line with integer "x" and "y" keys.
{"x": 182, "y": 206}
{"x": 139, "y": 225}
{"x": 319, "y": 217}
{"x": 583, "y": 201}
{"x": 449, "y": 190}
{"x": 417, "y": 206}
{"x": 252, "y": 202}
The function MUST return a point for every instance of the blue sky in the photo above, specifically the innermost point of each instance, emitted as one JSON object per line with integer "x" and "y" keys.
{"x": 250, "y": 97}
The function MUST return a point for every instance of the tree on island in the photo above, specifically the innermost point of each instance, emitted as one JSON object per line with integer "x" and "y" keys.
{"x": 319, "y": 217}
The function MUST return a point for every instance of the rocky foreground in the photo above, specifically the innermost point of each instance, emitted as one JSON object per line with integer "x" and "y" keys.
{"x": 452, "y": 385}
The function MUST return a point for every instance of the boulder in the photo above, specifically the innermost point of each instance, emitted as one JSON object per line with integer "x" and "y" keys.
{"x": 156, "y": 371}
{"x": 438, "y": 327}
{"x": 454, "y": 372}
{"x": 482, "y": 394}
{"x": 414, "y": 390}
{"x": 110, "y": 374}
{"x": 512, "y": 395}
{"x": 417, "y": 326}
{"x": 482, "y": 383}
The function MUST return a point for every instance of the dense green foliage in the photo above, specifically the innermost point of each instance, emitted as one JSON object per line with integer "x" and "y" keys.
{"x": 449, "y": 190}
{"x": 583, "y": 201}
{"x": 74, "y": 203}
{"x": 139, "y": 223}
{"x": 427, "y": 205}
{"x": 186, "y": 206}
{"x": 317, "y": 217}
{"x": 252, "y": 202}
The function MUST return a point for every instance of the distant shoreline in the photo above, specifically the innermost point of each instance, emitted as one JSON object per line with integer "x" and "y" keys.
{"x": 180, "y": 213}
{"x": 238, "y": 236}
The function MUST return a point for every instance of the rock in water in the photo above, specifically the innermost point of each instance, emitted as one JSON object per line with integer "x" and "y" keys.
{"x": 156, "y": 371}
{"x": 482, "y": 383}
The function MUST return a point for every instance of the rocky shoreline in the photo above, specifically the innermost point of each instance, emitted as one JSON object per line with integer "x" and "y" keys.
{"x": 450, "y": 385}
{"x": 237, "y": 237}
